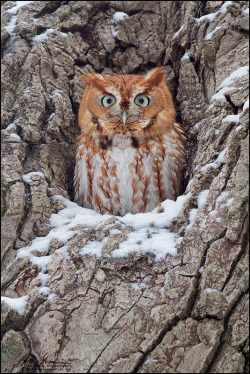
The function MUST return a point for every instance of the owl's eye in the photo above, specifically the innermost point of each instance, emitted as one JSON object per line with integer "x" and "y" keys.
{"x": 108, "y": 101}
{"x": 142, "y": 100}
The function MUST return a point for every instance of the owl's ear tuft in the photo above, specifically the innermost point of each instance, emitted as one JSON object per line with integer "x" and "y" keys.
{"x": 155, "y": 77}
{"x": 94, "y": 80}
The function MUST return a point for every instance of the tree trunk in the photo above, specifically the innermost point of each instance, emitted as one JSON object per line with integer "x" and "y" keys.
{"x": 67, "y": 309}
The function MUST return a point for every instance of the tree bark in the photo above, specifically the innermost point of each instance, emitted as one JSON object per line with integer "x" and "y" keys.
{"x": 185, "y": 313}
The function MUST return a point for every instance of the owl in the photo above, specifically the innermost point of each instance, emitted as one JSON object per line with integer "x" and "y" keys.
{"x": 131, "y": 152}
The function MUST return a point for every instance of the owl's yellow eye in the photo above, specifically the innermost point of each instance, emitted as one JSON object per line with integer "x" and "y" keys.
{"x": 108, "y": 101}
{"x": 142, "y": 100}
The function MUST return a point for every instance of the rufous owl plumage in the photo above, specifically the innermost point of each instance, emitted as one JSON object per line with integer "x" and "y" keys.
{"x": 131, "y": 152}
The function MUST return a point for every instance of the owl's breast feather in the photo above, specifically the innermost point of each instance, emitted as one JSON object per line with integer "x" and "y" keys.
{"x": 122, "y": 177}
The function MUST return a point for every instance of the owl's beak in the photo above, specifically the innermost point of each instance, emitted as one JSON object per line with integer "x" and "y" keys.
{"x": 124, "y": 117}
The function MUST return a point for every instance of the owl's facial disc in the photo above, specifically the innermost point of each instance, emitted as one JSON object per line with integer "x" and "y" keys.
{"x": 126, "y": 112}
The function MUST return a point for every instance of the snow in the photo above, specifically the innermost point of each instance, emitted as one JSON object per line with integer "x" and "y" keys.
{"x": 93, "y": 248}
{"x": 239, "y": 73}
{"x": 231, "y": 118}
{"x": 18, "y": 5}
{"x": 64, "y": 221}
{"x": 201, "y": 269}
{"x": 150, "y": 360}
{"x": 209, "y": 36}
{"x": 213, "y": 213}
{"x": 74, "y": 215}
{"x": 51, "y": 116}
{"x": 43, "y": 36}
{"x": 12, "y": 24}
{"x": 114, "y": 231}
{"x": 171, "y": 210}
{"x": 145, "y": 238}
{"x": 11, "y": 127}
{"x": 221, "y": 156}
{"x": 64, "y": 251}
{"x": 118, "y": 16}
{"x": 229, "y": 202}
{"x": 238, "y": 128}
{"x": 202, "y": 198}
{"x": 216, "y": 163}
{"x": 225, "y": 85}
{"x": 211, "y": 16}
{"x": 113, "y": 31}
{"x": 45, "y": 291}
{"x": 158, "y": 242}
{"x": 15, "y": 136}
{"x": 41, "y": 262}
{"x": 137, "y": 286}
{"x": 190, "y": 183}
{"x": 177, "y": 32}
{"x": 201, "y": 201}
{"x": 222, "y": 201}
{"x": 19, "y": 304}
{"x": 161, "y": 290}
{"x": 191, "y": 218}
{"x": 27, "y": 178}
{"x": 57, "y": 92}
{"x": 179, "y": 240}
{"x": 186, "y": 56}
{"x": 210, "y": 290}
{"x": 246, "y": 11}
{"x": 221, "y": 94}
{"x": 222, "y": 196}
{"x": 63, "y": 34}
{"x": 42, "y": 277}
{"x": 246, "y": 105}
{"x": 223, "y": 8}
{"x": 79, "y": 271}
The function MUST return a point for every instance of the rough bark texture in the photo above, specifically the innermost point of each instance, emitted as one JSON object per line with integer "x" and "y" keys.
{"x": 191, "y": 314}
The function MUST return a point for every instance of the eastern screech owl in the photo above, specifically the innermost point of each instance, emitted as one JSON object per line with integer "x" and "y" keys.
{"x": 131, "y": 152}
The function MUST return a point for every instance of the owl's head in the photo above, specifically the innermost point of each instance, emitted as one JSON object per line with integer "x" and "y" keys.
{"x": 126, "y": 104}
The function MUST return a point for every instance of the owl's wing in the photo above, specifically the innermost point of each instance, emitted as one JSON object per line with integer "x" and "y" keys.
{"x": 174, "y": 142}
